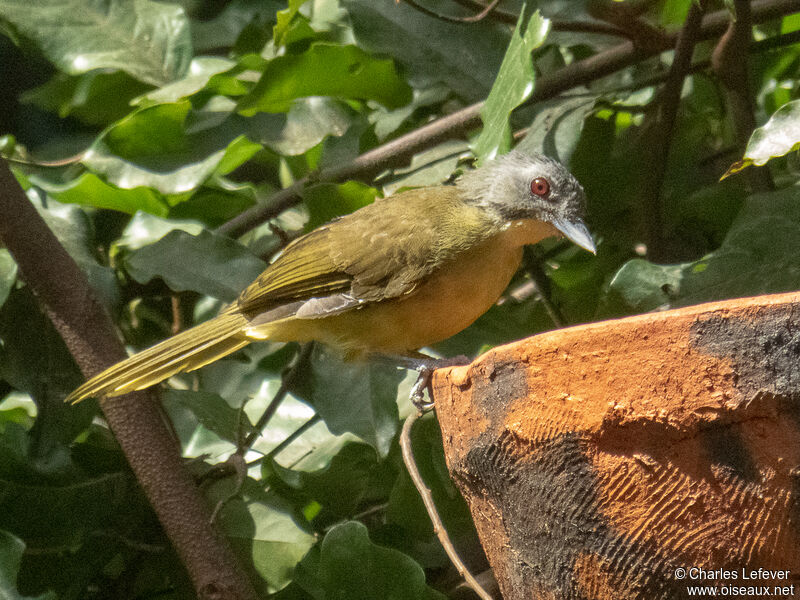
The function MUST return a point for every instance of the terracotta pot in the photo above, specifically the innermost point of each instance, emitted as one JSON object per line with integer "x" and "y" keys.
{"x": 636, "y": 457}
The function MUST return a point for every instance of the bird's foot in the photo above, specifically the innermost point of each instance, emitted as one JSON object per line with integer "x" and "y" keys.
{"x": 424, "y": 366}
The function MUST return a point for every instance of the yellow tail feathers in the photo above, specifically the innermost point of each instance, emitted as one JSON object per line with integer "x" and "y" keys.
{"x": 186, "y": 351}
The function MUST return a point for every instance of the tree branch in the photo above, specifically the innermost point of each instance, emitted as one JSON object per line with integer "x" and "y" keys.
{"x": 400, "y": 150}
{"x": 483, "y": 12}
{"x": 68, "y": 300}
{"x": 729, "y": 62}
{"x": 556, "y": 24}
{"x": 657, "y": 139}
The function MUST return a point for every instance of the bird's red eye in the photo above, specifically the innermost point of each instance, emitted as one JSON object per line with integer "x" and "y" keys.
{"x": 540, "y": 187}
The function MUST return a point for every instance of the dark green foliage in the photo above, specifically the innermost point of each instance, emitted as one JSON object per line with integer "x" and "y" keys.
{"x": 178, "y": 116}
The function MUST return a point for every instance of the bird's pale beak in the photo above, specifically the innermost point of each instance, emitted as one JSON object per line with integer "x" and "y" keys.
{"x": 577, "y": 232}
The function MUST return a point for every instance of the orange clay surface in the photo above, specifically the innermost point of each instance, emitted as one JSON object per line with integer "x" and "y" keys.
{"x": 599, "y": 459}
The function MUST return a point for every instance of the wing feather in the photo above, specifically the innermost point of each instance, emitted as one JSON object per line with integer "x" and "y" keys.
{"x": 384, "y": 250}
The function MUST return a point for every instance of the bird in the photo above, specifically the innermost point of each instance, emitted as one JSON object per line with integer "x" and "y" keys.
{"x": 397, "y": 275}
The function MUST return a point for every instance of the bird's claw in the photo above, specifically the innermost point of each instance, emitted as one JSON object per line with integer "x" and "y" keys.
{"x": 418, "y": 391}
{"x": 423, "y": 382}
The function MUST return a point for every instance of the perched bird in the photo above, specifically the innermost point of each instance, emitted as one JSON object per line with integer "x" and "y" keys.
{"x": 404, "y": 272}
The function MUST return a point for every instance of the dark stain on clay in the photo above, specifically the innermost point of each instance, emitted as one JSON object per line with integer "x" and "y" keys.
{"x": 764, "y": 350}
{"x": 548, "y": 501}
{"x": 496, "y": 387}
{"x": 725, "y": 447}
{"x": 764, "y": 353}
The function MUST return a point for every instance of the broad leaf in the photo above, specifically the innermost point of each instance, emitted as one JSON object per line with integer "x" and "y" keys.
{"x": 351, "y": 566}
{"x": 326, "y": 70}
{"x": 556, "y": 127}
{"x": 308, "y": 122}
{"x": 758, "y": 256}
{"x": 355, "y": 397}
{"x": 514, "y": 84}
{"x": 208, "y": 263}
{"x": 170, "y": 148}
{"x": 90, "y": 190}
{"x": 211, "y": 412}
{"x": 261, "y": 526}
{"x": 326, "y": 201}
{"x": 284, "y": 19}
{"x": 11, "y": 550}
{"x": 200, "y": 71}
{"x": 149, "y": 40}
{"x": 463, "y": 57}
{"x": 780, "y": 135}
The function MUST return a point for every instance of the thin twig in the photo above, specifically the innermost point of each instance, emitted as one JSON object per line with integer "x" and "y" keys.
{"x": 280, "y": 395}
{"x": 657, "y": 139}
{"x": 48, "y": 164}
{"x": 484, "y": 12}
{"x": 175, "y": 305}
{"x": 533, "y": 267}
{"x": 555, "y": 24}
{"x": 729, "y": 63}
{"x": 627, "y": 16}
{"x": 400, "y": 150}
{"x": 430, "y": 506}
{"x": 286, "y": 441}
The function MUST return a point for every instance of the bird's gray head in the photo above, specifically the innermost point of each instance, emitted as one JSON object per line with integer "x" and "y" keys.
{"x": 519, "y": 186}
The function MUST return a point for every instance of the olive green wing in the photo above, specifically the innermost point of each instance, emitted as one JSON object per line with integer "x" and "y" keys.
{"x": 304, "y": 270}
{"x": 381, "y": 251}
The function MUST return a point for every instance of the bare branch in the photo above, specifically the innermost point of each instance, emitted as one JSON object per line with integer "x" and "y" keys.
{"x": 657, "y": 138}
{"x": 71, "y": 304}
{"x": 729, "y": 62}
{"x": 484, "y": 12}
{"x": 556, "y": 24}
{"x": 430, "y": 506}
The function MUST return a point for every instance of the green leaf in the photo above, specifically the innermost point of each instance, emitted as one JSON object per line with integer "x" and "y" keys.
{"x": 556, "y": 127}
{"x": 326, "y": 70}
{"x": 200, "y": 71}
{"x": 514, "y": 84}
{"x": 429, "y": 167}
{"x": 74, "y": 231}
{"x": 152, "y": 148}
{"x": 758, "y": 256}
{"x": 149, "y": 40}
{"x": 34, "y": 359}
{"x": 351, "y": 566}
{"x": 342, "y": 485}
{"x": 355, "y": 397}
{"x": 641, "y": 286}
{"x": 261, "y": 527}
{"x": 95, "y": 98}
{"x": 90, "y": 190}
{"x": 74, "y": 508}
{"x": 11, "y": 551}
{"x": 326, "y": 201}
{"x": 387, "y": 122}
{"x": 145, "y": 229}
{"x": 8, "y": 274}
{"x": 239, "y": 21}
{"x": 777, "y": 137}
{"x": 207, "y": 263}
{"x": 309, "y": 121}
{"x": 463, "y": 57}
{"x": 211, "y": 411}
{"x": 284, "y": 19}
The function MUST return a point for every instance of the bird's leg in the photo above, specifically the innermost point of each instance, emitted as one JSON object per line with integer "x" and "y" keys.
{"x": 424, "y": 366}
